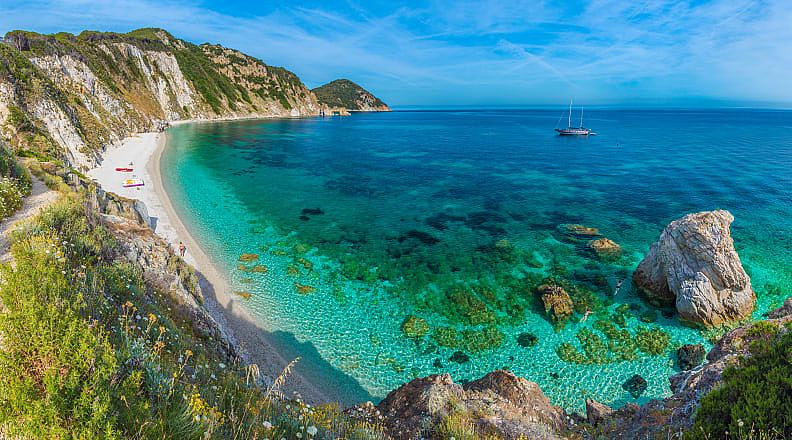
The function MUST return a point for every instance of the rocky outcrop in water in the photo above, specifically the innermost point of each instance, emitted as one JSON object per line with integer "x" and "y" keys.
{"x": 505, "y": 404}
{"x": 557, "y": 303}
{"x": 605, "y": 248}
{"x": 694, "y": 267}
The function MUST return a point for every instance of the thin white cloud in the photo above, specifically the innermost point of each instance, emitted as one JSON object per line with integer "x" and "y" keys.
{"x": 501, "y": 51}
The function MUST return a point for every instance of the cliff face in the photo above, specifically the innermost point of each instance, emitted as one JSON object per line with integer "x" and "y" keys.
{"x": 343, "y": 93}
{"x": 70, "y": 96}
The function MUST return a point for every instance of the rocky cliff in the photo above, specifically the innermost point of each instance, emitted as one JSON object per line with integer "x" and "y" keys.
{"x": 69, "y": 96}
{"x": 343, "y": 93}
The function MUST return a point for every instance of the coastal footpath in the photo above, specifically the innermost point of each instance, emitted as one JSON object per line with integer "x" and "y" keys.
{"x": 140, "y": 344}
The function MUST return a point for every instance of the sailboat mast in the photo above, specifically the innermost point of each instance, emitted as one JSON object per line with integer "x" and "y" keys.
{"x": 581, "y": 116}
{"x": 569, "y": 124}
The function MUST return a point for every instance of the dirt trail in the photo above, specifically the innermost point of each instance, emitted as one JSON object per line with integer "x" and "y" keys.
{"x": 39, "y": 198}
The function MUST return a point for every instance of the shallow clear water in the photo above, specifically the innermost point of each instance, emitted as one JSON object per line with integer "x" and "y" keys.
{"x": 454, "y": 217}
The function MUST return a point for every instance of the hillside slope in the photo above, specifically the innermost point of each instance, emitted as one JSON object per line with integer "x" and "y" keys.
{"x": 69, "y": 96}
{"x": 345, "y": 93}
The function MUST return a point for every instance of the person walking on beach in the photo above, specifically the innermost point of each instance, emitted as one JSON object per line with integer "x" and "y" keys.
{"x": 182, "y": 249}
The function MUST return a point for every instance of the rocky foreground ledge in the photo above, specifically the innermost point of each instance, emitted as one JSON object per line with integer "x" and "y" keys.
{"x": 512, "y": 407}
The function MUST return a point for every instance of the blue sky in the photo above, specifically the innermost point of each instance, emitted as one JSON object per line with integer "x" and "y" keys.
{"x": 473, "y": 53}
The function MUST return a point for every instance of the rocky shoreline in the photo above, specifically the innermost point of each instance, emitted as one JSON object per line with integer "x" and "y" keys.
{"x": 499, "y": 402}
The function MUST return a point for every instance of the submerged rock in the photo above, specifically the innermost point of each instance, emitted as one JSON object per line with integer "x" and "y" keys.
{"x": 244, "y": 294}
{"x": 557, "y": 303}
{"x": 259, "y": 268}
{"x": 635, "y": 385}
{"x": 415, "y": 327}
{"x": 527, "y": 340}
{"x": 605, "y": 248}
{"x": 690, "y": 356}
{"x": 312, "y": 211}
{"x": 421, "y": 236}
{"x": 459, "y": 357}
{"x": 247, "y": 258}
{"x": 579, "y": 232}
{"x": 695, "y": 267}
{"x": 649, "y": 316}
{"x": 304, "y": 289}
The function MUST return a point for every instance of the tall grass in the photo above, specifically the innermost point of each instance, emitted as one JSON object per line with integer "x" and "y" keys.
{"x": 91, "y": 351}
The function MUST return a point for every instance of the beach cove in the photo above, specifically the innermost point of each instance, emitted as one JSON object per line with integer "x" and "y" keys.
{"x": 259, "y": 345}
{"x": 392, "y": 358}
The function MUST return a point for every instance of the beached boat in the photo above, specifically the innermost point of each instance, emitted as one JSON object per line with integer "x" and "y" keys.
{"x": 131, "y": 183}
{"x": 124, "y": 169}
{"x": 574, "y": 131}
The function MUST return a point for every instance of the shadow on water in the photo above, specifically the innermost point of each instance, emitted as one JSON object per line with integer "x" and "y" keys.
{"x": 314, "y": 378}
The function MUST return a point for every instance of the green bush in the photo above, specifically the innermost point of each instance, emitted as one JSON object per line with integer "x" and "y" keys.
{"x": 56, "y": 370}
{"x": 11, "y": 196}
{"x": 15, "y": 183}
{"x": 755, "y": 396}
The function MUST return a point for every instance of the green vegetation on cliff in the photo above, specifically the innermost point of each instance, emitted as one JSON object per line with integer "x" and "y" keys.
{"x": 98, "y": 87}
{"x": 347, "y": 94}
{"x": 14, "y": 183}
{"x": 755, "y": 397}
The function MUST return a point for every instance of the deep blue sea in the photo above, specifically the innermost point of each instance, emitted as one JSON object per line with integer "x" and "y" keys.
{"x": 455, "y": 217}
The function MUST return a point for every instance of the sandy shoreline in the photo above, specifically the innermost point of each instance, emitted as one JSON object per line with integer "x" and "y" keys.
{"x": 144, "y": 151}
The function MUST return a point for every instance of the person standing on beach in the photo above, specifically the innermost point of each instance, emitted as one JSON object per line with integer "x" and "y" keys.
{"x": 182, "y": 249}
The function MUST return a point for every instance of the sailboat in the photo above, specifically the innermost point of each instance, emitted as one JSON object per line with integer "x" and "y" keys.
{"x": 574, "y": 131}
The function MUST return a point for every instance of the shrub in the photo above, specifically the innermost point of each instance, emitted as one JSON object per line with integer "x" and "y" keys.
{"x": 11, "y": 196}
{"x": 762, "y": 329}
{"x": 56, "y": 369}
{"x": 755, "y": 395}
{"x": 15, "y": 183}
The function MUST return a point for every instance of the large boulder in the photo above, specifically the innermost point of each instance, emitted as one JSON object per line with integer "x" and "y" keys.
{"x": 695, "y": 267}
{"x": 500, "y": 402}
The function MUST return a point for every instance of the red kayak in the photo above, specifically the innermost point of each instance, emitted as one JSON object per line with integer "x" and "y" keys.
{"x": 124, "y": 169}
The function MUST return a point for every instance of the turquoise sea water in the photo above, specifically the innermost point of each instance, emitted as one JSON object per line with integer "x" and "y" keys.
{"x": 454, "y": 217}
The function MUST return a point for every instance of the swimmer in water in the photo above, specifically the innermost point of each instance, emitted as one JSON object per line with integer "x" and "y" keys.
{"x": 585, "y": 315}
{"x": 618, "y": 286}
